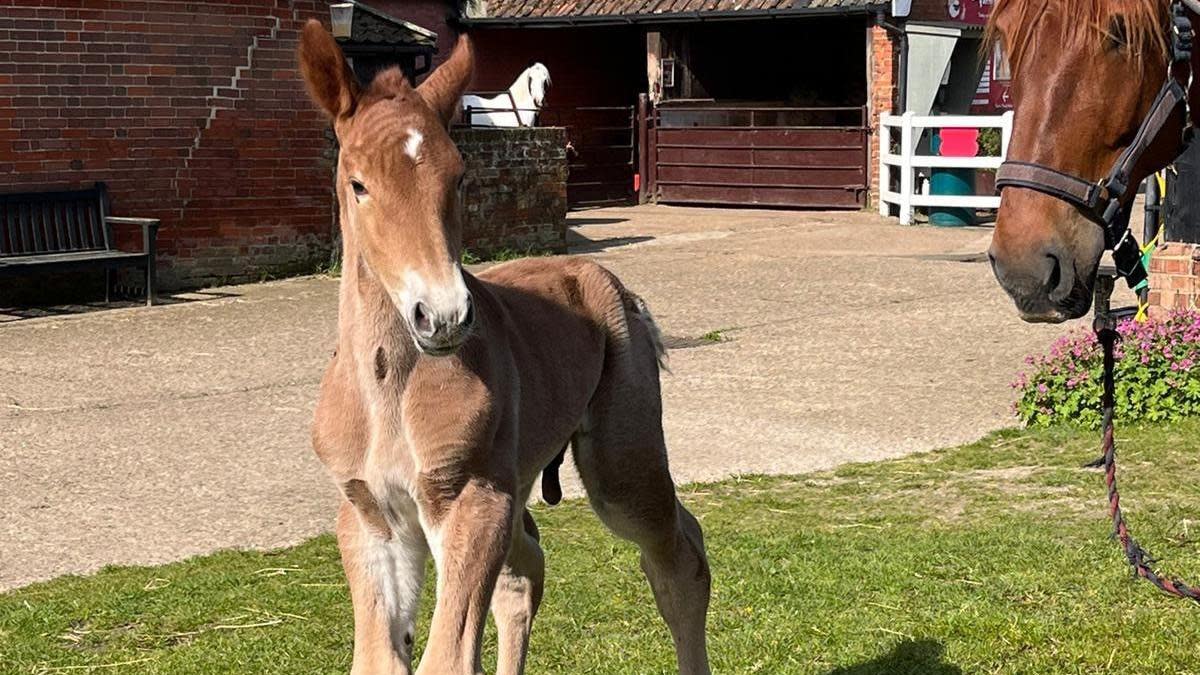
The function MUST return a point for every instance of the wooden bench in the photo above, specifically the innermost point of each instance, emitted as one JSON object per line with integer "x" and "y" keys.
{"x": 70, "y": 229}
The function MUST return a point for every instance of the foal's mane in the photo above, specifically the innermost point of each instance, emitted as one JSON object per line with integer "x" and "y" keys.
{"x": 1084, "y": 23}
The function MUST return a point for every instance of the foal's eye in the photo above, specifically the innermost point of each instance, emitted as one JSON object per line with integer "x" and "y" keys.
{"x": 360, "y": 190}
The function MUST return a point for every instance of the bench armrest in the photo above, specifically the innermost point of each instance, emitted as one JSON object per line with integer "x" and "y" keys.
{"x": 149, "y": 247}
{"x": 149, "y": 230}
{"x": 144, "y": 222}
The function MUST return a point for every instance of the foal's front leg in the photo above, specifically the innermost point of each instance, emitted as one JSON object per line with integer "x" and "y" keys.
{"x": 469, "y": 534}
{"x": 385, "y": 567}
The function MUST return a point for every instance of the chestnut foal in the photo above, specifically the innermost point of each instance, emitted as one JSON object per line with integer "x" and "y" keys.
{"x": 450, "y": 393}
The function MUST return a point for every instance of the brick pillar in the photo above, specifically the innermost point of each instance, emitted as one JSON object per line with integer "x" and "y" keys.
{"x": 883, "y": 61}
{"x": 1173, "y": 276}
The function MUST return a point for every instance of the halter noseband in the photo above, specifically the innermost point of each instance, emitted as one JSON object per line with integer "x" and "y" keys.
{"x": 1100, "y": 201}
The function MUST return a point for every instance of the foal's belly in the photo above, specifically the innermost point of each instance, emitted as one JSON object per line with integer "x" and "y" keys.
{"x": 557, "y": 344}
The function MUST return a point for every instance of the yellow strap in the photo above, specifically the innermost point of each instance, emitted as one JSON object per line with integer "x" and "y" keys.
{"x": 1144, "y": 305}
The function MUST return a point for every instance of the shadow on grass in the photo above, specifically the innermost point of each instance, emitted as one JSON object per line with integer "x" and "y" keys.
{"x": 911, "y": 657}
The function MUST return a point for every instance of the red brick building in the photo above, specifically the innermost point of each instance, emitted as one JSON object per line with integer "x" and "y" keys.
{"x": 190, "y": 112}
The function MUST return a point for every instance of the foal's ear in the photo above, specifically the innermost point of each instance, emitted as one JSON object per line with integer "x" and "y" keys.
{"x": 326, "y": 73}
{"x": 443, "y": 89}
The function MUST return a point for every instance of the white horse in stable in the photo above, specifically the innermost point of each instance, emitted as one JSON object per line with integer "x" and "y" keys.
{"x": 517, "y": 107}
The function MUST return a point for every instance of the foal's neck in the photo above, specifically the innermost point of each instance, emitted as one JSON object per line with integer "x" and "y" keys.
{"x": 370, "y": 327}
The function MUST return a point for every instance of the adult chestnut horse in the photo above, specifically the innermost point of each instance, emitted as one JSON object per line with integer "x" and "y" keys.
{"x": 1086, "y": 75}
{"x": 449, "y": 393}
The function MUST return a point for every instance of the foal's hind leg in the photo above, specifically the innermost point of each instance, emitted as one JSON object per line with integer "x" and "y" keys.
{"x": 517, "y": 596}
{"x": 623, "y": 463}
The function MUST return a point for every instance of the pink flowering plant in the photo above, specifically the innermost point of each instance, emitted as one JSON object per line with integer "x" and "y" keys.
{"x": 1158, "y": 375}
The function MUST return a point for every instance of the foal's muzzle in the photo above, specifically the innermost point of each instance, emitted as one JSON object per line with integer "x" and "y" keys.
{"x": 441, "y": 333}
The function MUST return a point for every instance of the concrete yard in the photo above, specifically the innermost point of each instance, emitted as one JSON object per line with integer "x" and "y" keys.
{"x": 147, "y": 435}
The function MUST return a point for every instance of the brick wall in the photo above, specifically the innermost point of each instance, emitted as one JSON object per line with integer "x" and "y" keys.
{"x": 191, "y": 112}
{"x": 515, "y": 190}
{"x": 885, "y": 59}
{"x": 1175, "y": 276}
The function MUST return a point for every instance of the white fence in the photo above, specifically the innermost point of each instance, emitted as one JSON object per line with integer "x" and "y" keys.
{"x": 911, "y": 128}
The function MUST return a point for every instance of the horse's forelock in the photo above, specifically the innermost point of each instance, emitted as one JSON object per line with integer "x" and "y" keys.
{"x": 1083, "y": 22}
{"x": 389, "y": 83}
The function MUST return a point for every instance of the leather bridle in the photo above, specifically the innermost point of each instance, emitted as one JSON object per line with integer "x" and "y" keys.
{"x": 1102, "y": 201}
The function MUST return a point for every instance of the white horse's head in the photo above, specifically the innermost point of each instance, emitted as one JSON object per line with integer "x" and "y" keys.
{"x": 539, "y": 82}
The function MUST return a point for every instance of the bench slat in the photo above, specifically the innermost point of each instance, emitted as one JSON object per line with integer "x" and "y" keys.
{"x": 12, "y": 226}
{"x": 60, "y": 232}
{"x": 37, "y": 219}
{"x": 93, "y": 224}
{"x": 79, "y": 224}
{"x": 85, "y": 228}
{"x": 47, "y": 224}
{"x": 26, "y": 235}
{"x": 5, "y": 225}
{"x": 73, "y": 232}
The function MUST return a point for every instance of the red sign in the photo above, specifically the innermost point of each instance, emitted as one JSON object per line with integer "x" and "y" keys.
{"x": 973, "y": 12}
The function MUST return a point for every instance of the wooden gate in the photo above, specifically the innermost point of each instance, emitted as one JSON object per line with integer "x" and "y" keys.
{"x": 602, "y": 152}
{"x": 703, "y": 153}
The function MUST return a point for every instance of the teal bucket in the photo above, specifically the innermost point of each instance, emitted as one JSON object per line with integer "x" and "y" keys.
{"x": 957, "y": 182}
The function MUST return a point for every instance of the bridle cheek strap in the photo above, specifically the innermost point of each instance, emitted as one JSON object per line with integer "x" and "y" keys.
{"x": 1171, "y": 98}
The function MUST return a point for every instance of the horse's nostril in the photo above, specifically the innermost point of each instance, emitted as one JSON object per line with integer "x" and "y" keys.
{"x": 1055, "y": 277}
{"x": 422, "y": 320}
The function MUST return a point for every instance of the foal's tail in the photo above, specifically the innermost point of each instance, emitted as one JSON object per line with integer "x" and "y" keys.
{"x": 637, "y": 307}
{"x": 621, "y": 310}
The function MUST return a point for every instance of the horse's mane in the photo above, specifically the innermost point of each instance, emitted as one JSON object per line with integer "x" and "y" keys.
{"x": 1085, "y": 23}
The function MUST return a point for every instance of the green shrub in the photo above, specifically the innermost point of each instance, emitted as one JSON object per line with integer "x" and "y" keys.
{"x": 989, "y": 142}
{"x": 1157, "y": 375}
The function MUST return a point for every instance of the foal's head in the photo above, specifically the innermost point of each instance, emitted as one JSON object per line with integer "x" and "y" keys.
{"x": 398, "y": 181}
{"x": 1085, "y": 73}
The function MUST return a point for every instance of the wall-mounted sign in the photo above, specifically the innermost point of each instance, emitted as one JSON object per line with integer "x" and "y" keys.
{"x": 973, "y": 12}
{"x": 668, "y": 73}
{"x": 994, "y": 94}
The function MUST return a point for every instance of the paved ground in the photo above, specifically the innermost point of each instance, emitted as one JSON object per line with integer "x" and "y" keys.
{"x": 141, "y": 436}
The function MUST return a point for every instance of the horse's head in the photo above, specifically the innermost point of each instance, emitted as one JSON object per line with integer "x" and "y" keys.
{"x": 539, "y": 83}
{"x": 1085, "y": 74}
{"x": 398, "y": 180}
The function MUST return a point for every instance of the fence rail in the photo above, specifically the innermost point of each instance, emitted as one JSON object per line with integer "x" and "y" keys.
{"x": 907, "y": 162}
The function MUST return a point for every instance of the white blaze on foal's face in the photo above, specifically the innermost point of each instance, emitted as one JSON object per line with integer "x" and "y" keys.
{"x": 412, "y": 146}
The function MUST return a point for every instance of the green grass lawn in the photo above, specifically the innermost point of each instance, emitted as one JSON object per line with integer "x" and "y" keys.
{"x": 989, "y": 558}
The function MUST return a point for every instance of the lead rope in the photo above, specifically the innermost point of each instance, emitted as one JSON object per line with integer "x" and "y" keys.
{"x": 1106, "y": 332}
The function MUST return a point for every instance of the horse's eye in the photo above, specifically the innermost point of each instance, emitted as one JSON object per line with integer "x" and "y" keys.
{"x": 360, "y": 190}
{"x": 1118, "y": 34}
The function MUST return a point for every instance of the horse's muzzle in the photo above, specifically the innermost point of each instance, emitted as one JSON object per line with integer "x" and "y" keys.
{"x": 441, "y": 334}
